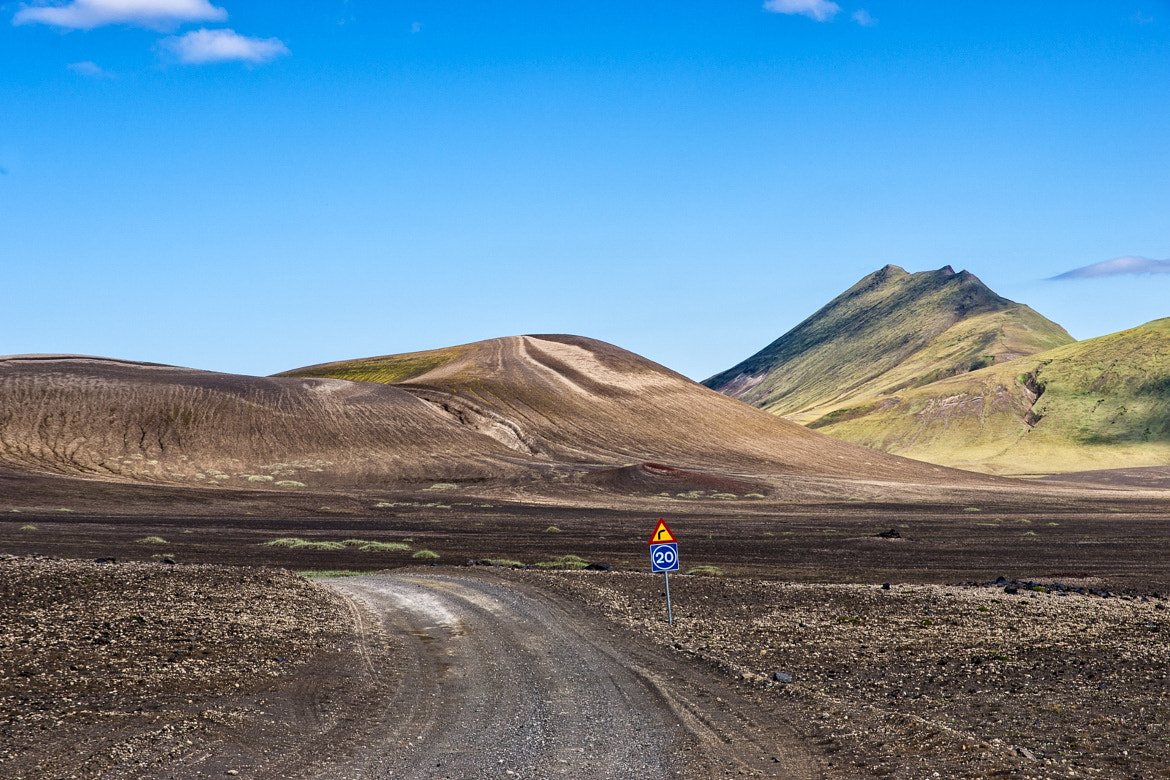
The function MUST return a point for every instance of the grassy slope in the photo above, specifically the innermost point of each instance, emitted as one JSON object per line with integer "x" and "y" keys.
{"x": 891, "y": 331}
{"x": 1105, "y": 404}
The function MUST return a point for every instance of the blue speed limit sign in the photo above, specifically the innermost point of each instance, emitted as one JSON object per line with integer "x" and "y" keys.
{"x": 664, "y": 557}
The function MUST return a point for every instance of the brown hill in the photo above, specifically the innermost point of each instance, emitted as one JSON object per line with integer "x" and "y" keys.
{"x": 555, "y": 413}
{"x": 150, "y": 423}
{"x": 572, "y": 400}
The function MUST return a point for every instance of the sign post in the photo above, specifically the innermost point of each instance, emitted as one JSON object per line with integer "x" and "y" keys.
{"x": 664, "y": 558}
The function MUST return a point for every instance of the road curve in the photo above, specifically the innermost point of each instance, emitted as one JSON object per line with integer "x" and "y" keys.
{"x": 481, "y": 677}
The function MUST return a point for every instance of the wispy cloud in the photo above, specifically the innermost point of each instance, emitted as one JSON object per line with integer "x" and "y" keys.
{"x": 863, "y": 17}
{"x": 200, "y": 47}
{"x": 416, "y": 27}
{"x": 1118, "y": 266}
{"x": 821, "y": 10}
{"x": 90, "y": 70}
{"x": 153, "y": 14}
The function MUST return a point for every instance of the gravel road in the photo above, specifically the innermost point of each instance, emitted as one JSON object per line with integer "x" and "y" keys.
{"x": 496, "y": 679}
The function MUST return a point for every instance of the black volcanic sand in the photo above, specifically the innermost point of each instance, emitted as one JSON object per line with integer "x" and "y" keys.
{"x": 1120, "y": 539}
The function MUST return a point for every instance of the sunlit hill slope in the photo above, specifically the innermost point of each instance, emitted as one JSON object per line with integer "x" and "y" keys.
{"x": 890, "y": 332}
{"x": 1097, "y": 404}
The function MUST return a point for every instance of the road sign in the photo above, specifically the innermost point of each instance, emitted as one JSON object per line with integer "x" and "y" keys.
{"x": 664, "y": 556}
{"x": 662, "y": 533}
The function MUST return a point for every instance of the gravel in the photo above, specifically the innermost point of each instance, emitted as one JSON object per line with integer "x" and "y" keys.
{"x": 120, "y": 666}
{"x": 963, "y": 680}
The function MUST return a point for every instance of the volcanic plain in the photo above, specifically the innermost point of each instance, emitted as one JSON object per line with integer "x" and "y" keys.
{"x": 1022, "y": 632}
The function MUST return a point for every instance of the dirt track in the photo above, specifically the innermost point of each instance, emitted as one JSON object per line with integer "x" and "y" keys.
{"x": 499, "y": 680}
{"x": 410, "y": 674}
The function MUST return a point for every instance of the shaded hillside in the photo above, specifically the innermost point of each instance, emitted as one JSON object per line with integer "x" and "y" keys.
{"x": 575, "y": 400}
{"x": 142, "y": 422}
{"x": 891, "y": 331}
{"x": 1097, "y": 404}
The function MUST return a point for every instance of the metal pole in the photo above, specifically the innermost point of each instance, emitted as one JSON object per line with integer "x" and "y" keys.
{"x": 669, "y": 614}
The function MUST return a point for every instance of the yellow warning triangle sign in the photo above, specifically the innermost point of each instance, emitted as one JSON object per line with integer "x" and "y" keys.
{"x": 662, "y": 533}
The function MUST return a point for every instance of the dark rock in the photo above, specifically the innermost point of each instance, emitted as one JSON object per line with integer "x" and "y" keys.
{"x": 105, "y": 560}
{"x": 885, "y": 586}
{"x": 1001, "y": 580}
{"x": 470, "y": 562}
{"x": 782, "y": 677}
{"x": 599, "y": 567}
{"x": 1023, "y": 751}
{"x": 168, "y": 560}
{"x": 1011, "y": 590}
{"x": 890, "y": 534}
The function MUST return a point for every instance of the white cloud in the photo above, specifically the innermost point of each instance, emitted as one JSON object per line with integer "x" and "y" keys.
{"x": 821, "y": 10}
{"x": 863, "y": 17}
{"x": 90, "y": 69}
{"x": 416, "y": 27}
{"x": 154, "y": 14}
{"x": 199, "y": 47}
{"x": 1118, "y": 266}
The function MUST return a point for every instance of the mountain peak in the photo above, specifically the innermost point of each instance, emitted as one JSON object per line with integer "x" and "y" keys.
{"x": 891, "y": 330}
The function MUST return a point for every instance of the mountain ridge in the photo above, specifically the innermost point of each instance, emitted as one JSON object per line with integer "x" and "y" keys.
{"x": 890, "y": 331}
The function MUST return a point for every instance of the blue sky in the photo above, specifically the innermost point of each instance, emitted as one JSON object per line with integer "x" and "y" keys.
{"x": 239, "y": 187}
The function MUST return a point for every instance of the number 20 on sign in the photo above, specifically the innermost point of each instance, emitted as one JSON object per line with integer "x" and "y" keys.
{"x": 664, "y": 558}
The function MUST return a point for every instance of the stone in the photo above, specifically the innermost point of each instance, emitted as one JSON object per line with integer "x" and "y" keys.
{"x": 1023, "y": 751}
{"x": 782, "y": 677}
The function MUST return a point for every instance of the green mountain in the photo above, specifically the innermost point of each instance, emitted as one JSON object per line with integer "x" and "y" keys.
{"x": 889, "y": 333}
{"x": 1097, "y": 404}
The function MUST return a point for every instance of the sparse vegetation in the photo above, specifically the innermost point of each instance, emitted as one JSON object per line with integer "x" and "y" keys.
{"x": 363, "y": 545}
{"x": 28, "y": 527}
{"x": 325, "y": 573}
{"x": 552, "y": 529}
{"x": 152, "y": 540}
{"x": 705, "y": 570}
{"x": 426, "y": 555}
{"x": 370, "y": 546}
{"x": 387, "y": 370}
{"x": 564, "y": 562}
{"x": 295, "y": 543}
{"x": 508, "y": 562}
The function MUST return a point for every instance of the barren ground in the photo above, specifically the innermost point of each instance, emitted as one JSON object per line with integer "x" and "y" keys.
{"x": 131, "y": 669}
